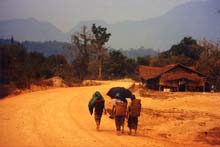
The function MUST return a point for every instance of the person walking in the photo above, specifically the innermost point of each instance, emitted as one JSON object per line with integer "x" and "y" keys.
{"x": 119, "y": 110}
{"x": 98, "y": 104}
{"x": 133, "y": 113}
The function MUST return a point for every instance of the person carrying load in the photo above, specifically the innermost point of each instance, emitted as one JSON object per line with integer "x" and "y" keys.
{"x": 97, "y": 102}
{"x": 119, "y": 110}
{"x": 133, "y": 113}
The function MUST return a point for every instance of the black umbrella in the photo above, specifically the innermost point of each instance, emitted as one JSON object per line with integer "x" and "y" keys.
{"x": 119, "y": 93}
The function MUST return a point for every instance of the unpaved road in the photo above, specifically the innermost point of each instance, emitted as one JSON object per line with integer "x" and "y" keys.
{"x": 60, "y": 118}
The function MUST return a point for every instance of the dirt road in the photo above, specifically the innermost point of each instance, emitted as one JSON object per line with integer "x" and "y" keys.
{"x": 60, "y": 118}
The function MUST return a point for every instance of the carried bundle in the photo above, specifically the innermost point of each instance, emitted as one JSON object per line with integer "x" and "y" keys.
{"x": 120, "y": 108}
{"x": 97, "y": 95}
{"x": 135, "y": 108}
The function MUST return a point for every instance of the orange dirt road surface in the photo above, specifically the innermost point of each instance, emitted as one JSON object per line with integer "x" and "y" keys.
{"x": 60, "y": 118}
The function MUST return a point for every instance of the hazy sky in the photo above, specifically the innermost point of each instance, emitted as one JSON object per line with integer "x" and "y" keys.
{"x": 66, "y": 13}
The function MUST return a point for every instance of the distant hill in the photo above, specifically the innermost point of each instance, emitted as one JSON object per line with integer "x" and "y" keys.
{"x": 88, "y": 24}
{"x": 199, "y": 19}
{"x": 140, "y": 52}
{"x": 47, "y": 48}
{"x": 6, "y": 41}
{"x": 30, "y": 29}
{"x": 54, "y": 47}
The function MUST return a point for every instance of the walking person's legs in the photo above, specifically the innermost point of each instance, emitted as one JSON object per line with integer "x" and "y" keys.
{"x": 97, "y": 124}
{"x": 122, "y": 124}
{"x": 132, "y": 124}
{"x": 98, "y": 121}
{"x": 135, "y": 125}
{"x": 117, "y": 124}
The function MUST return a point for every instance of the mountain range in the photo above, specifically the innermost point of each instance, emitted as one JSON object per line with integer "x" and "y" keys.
{"x": 199, "y": 19}
{"x": 48, "y": 48}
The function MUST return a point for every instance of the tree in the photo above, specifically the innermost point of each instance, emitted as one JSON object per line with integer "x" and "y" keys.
{"x": 100, "y": 38}
{"x": 186, "y": 52}
{"x": 209, "y": 62}
{"x": 159, "y": 61}
{"x": 13, "y": 65}
{"x": 36, "y": 66}
{"x": 80, "y": 47}
{"x": 57, "y": 64}
{"x": 118, "y": 66}
{"x": 143, "y": 60}
{"x": 187, "y": 47}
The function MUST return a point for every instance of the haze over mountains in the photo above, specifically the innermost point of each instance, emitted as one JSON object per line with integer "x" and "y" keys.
{"x": 30, "y": 29}
{"x": 199, "y": 19}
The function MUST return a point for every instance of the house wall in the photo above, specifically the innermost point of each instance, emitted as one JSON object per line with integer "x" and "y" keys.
{"x": 180, "y": 77}
{"x": 176, "y": 79}
{"x": 152, "y": 84}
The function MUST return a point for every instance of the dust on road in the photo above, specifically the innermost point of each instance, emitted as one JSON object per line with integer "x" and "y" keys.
{"x": 60, "y": 117}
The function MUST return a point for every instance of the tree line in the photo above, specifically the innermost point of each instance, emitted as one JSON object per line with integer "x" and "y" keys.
{"x": 19, "y": 69}
{"x": 88, "y": 59}
{"x": 91, "y": 59}
{"x": 203, "y": 55}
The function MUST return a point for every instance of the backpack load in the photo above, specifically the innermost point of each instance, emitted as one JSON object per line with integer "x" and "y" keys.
{"x": 120, "y": 109}
{"x": 95, "y": 96}
{"x": 135, "y": 108}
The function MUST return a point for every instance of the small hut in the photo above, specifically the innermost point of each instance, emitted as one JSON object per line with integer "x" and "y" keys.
{"x": 175, "y": 77}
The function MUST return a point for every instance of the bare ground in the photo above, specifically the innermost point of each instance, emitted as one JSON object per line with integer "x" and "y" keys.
{"x": 60, "y": 117}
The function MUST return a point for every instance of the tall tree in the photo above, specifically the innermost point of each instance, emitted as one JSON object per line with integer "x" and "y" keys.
{"x": 100, "y": 38}
{"x": 80, "y": 47}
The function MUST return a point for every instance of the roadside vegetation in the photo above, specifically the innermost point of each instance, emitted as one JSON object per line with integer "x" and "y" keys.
{"x": 90, "y": 59}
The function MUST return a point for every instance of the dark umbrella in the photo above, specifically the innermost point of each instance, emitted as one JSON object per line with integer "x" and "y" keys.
{"x": 119, "y": 93}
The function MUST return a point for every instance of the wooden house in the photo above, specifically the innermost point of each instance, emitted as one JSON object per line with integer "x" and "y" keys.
{"x": 175, "y": 77}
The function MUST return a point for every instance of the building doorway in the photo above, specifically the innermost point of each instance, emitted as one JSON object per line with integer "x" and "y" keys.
{"x": 182, "y": 85}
